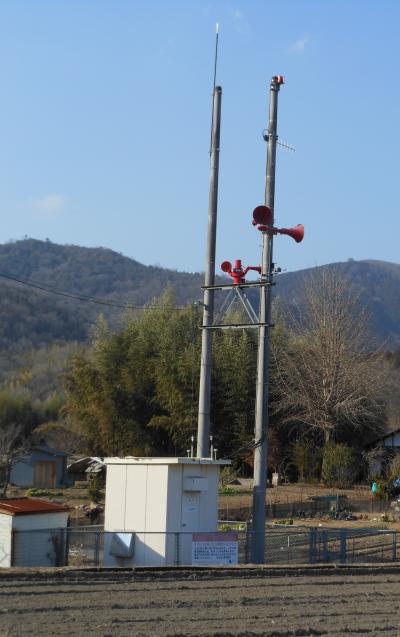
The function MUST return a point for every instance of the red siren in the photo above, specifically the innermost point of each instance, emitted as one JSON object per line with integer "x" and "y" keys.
{"x": 238, "y": 272}
{"x": 262, "y": 215}
{"x": 226, "y": 266}
{"x": 297, "y": 233}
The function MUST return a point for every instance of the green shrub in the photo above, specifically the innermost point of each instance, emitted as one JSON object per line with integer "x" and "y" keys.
{"x": 226, "y": 475}
{"x": 42, "y": 493}
{"x": 232, "y": 526}
{"x": 227, "y": 491}
{"x": 94, "y": 489}
{"x": 307, "y": 459}
{"x": 338, "y": 466}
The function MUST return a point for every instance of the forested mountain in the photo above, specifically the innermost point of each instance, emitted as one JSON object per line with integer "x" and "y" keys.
{"x": 30, "y": 317}
{"x": 134, "y": 389}
{"x": 33, "y": 318}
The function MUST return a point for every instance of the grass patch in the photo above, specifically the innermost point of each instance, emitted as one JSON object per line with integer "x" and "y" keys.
{"x": 43, "y": 493}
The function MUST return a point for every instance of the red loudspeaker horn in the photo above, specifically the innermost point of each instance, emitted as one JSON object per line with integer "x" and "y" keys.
{"x": 262, "y": 215}
{"x": 297, "y": 233}
{"x": 226, "y": 266}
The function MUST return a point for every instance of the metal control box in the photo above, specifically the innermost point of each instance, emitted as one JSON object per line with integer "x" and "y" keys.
{"x": 163, "y": 501}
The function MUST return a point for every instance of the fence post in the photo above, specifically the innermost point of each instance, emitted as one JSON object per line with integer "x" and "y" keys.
{"x": 66, "y": 546}
{"x": 394, "y": 546}
{"x": 312, "y": 548}
{"x": 177, "y": 549}
{"x": 343, "y": 545}
{"x": 247, "y": 546}
{"x": 96, "y": 548}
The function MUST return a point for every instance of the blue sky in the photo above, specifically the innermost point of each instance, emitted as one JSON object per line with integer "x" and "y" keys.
{"x": 105, "y": 120}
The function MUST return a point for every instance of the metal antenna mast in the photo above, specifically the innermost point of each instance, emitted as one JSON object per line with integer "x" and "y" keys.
{"x": 261, "y": 416}
{"x": 203, "y": 428}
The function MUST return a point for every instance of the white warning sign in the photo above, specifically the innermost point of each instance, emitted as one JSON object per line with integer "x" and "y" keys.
{"x": 214, "y": 548}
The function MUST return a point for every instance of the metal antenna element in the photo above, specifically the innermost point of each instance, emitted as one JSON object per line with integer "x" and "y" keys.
{"x": 214, "y": 81}
{"x": 278, "y": 141}
{"x": 203, "y": 426}
{"x": 261, "y": 410}
{"x": 285, "y": 145}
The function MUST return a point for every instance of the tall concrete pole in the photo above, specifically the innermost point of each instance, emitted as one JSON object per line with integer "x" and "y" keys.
{"x": 261, "y": 415}
{"x": 203, "y": 429}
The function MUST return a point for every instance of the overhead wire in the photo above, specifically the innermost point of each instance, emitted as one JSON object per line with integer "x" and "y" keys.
{"x": 249, "y": 447}
{"x": 84, "y": 298}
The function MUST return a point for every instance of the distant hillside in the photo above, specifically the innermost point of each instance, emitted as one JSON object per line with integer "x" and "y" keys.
{"x": 30, "y": 318}
{"x": 376, "y": 282}
{"x": 34, "y": 318}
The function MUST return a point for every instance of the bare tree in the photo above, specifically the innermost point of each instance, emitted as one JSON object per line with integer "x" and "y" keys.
{"x": 13, "y": 444}
{"x": 329, "y": 376}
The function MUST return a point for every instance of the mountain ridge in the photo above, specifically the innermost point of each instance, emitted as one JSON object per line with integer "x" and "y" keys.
{"x": 30, "y": 318}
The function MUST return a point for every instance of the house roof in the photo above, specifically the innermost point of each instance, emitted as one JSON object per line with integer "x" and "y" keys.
{"x": 389, "y": 434}
{"x": 155, "y": 461}
{"x": 50, "y": 450}
{"x": 29, "y": 506}
{"x": 88, "y": 464}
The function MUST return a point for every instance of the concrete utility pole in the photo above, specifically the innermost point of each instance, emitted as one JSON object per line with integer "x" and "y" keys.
{"x": 261, "y": 415}
{"x": 203, "y": 429}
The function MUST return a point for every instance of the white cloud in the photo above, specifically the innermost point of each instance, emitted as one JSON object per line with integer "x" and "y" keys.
{"x": 239, "y": 22}
{"x": 299, "y": 46}
{"x": 50, "y": 204}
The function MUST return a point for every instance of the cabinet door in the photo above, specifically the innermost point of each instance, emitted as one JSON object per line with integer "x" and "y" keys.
{"x": 190, "y": 512}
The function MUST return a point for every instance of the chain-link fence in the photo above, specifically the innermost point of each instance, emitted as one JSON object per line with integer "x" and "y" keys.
{"x": 92, "y": 546}
{"x": 329, "y": 507}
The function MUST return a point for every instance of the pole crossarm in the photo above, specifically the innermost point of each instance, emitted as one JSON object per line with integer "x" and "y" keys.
{"x": 233, "y": 326}
{"x": 231, "y": 286}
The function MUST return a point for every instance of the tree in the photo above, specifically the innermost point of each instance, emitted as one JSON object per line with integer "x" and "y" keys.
{"x": 135, "y": 390}
{"x": 329, "y": 374}
{"x": 18, "y": 419}
{"x": 306, "y": 459}
{"x": 13, "y": 444}
{"x": 339, "y": 466}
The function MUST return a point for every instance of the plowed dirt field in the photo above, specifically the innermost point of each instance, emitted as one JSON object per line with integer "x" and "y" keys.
{"x": 242, "y": 602}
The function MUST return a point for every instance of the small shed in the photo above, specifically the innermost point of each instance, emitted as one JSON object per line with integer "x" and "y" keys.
{"x": 85, "y": 468}
{"x": 32, "y": 532}
{"x": 383, "y": 448}
{"x": 42, "y": 467}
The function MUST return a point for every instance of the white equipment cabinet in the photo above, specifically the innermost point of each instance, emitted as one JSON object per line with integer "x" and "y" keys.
{"x": 151, "y": 500}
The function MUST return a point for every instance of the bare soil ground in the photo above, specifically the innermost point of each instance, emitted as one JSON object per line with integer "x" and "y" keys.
{"x": 238, "y": 506}
{"x": 240, "y": 602}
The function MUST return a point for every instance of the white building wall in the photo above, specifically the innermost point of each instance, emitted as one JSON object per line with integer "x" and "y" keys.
{"x": 174, "y": 488}
{"x": 114, "y": 515}
{"x": 136, "y": 501}
{"x": 5, "y": 540}
{"x": 135, "y": 498}
{"x": 25, "y": 540}
{"x": 57, "y": 520}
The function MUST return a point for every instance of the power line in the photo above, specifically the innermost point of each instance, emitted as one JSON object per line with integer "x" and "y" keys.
{"x": 83, "y": 298}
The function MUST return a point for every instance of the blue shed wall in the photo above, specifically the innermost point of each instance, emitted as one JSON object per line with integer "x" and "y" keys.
{"x": 22, "y": 471}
